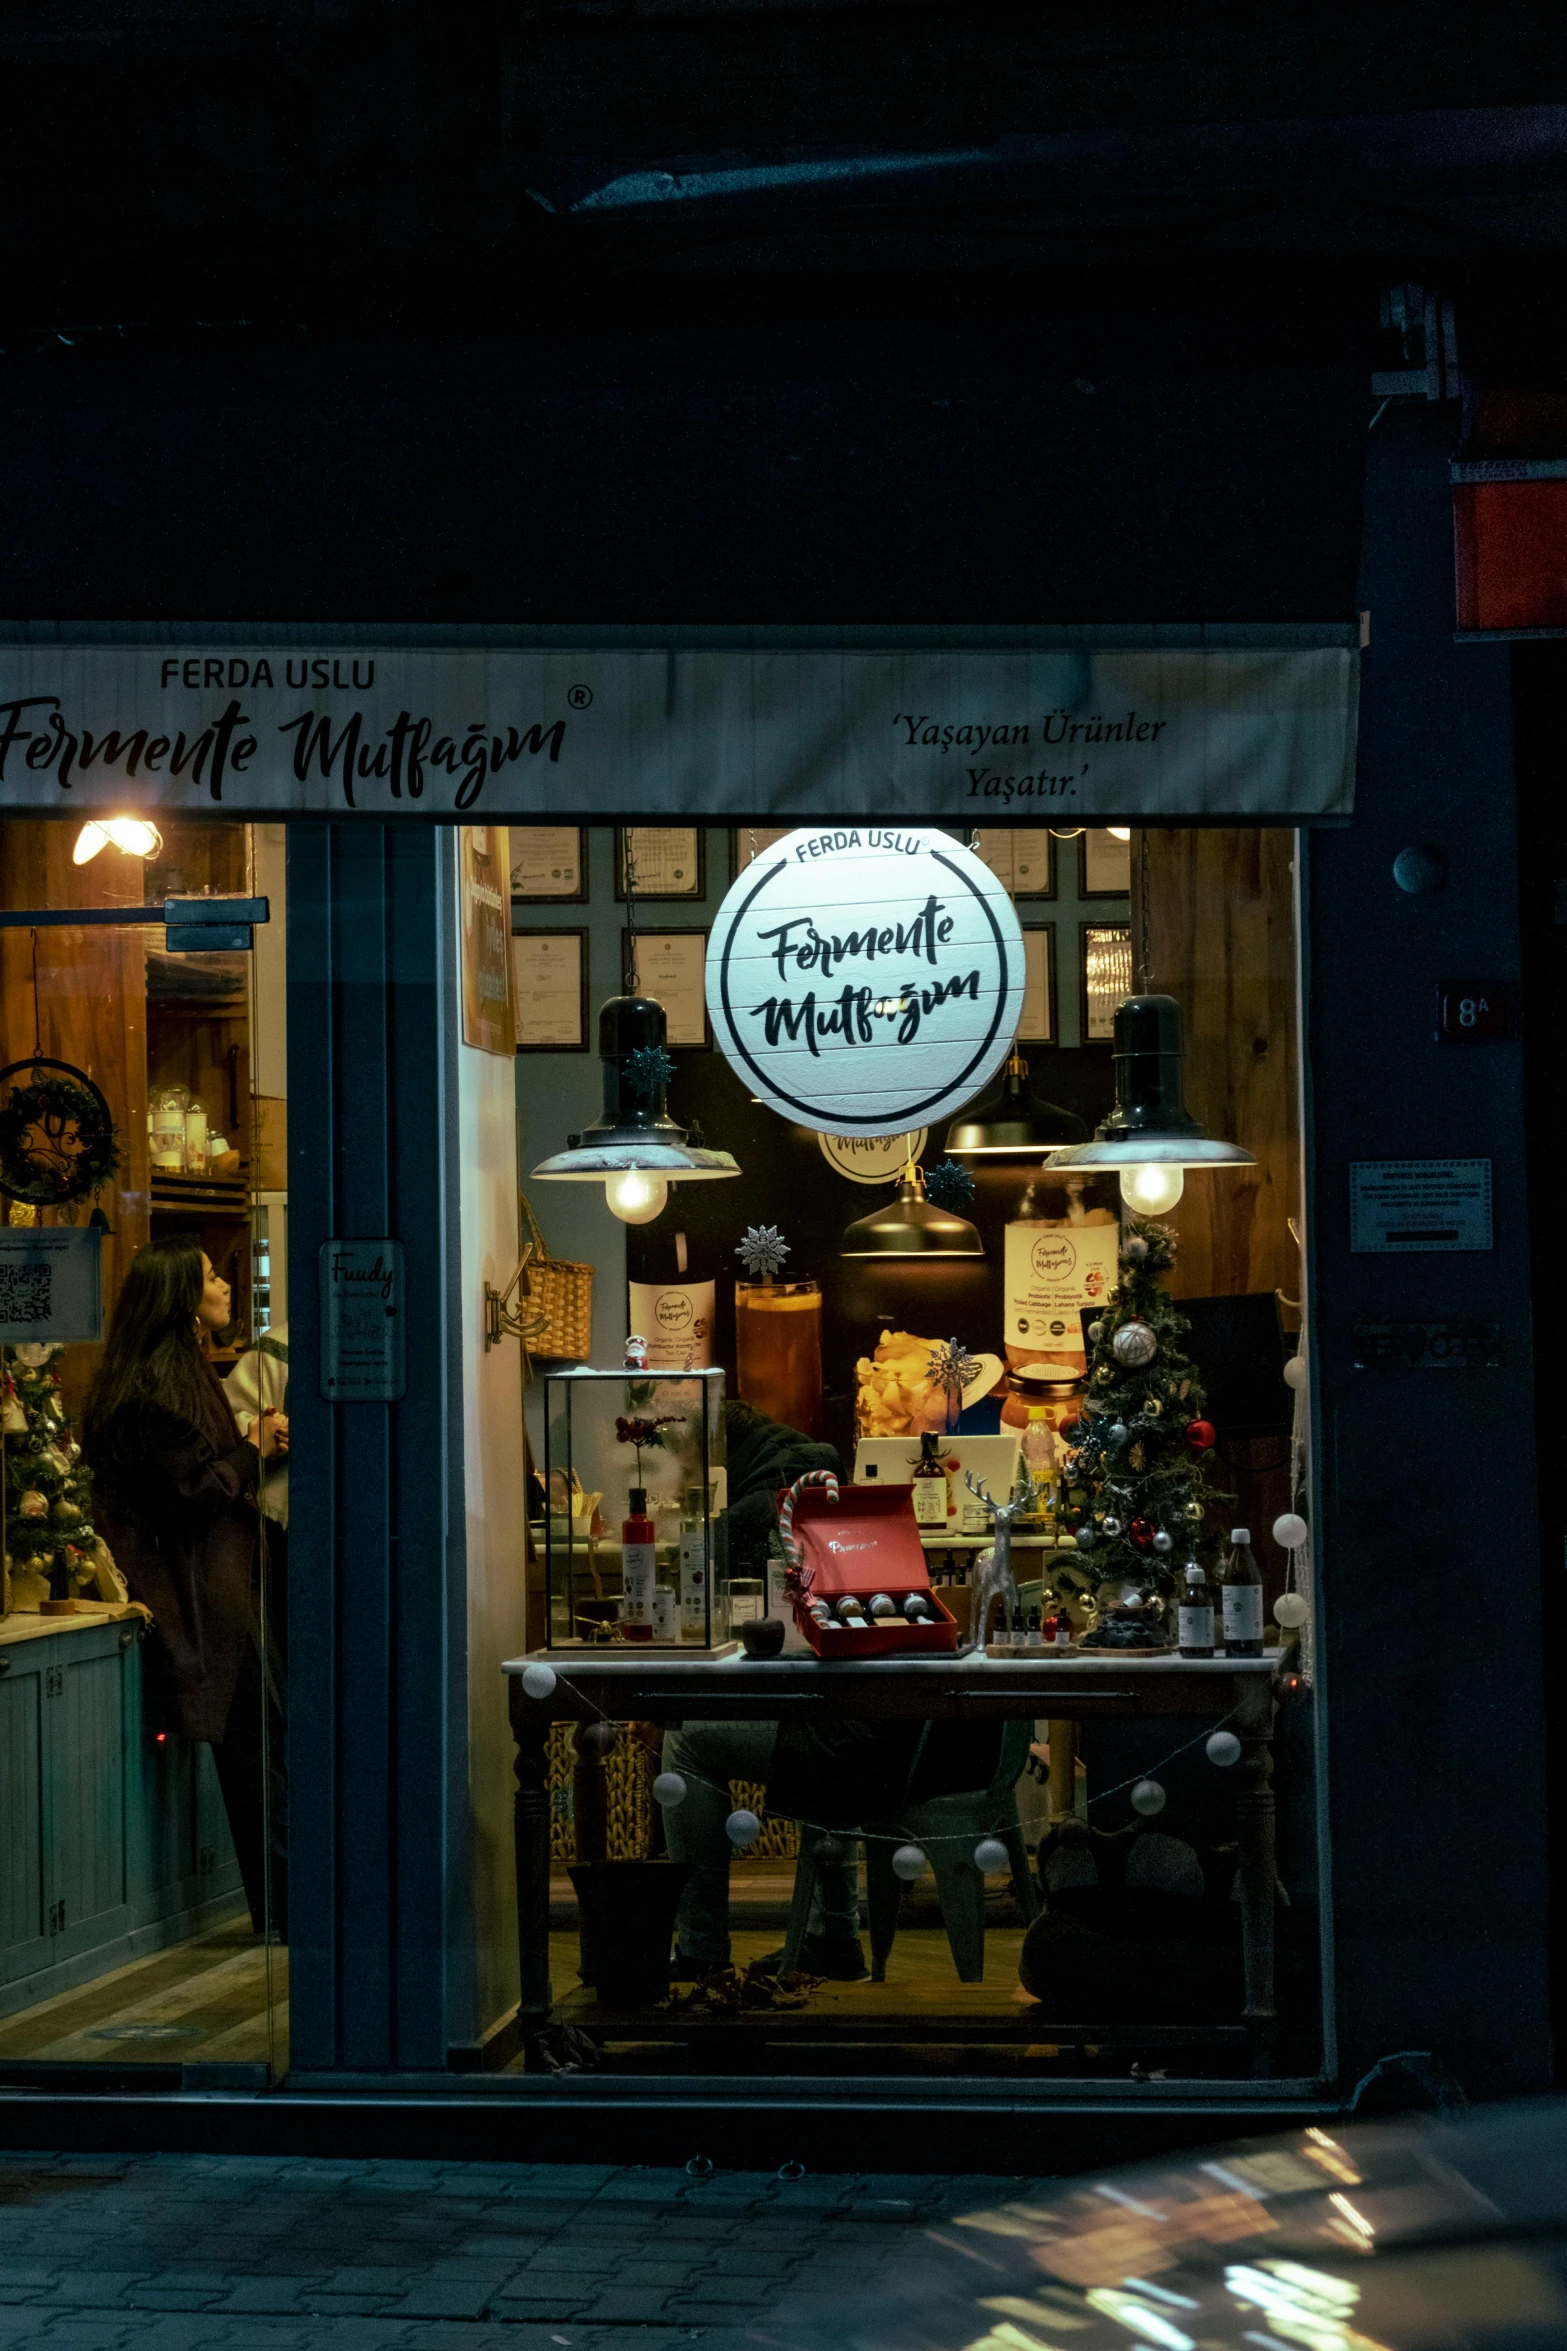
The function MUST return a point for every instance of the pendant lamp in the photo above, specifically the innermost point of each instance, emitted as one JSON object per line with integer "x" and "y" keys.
{"x": 635, "y": 1149}
{"x": 909, "y": 1225}
{"x": 1011, "y": 1118}
{"x": 1150, "y": 1135}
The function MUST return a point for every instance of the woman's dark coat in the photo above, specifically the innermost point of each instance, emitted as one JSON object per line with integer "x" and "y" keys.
{"x": 176, "y": 1506}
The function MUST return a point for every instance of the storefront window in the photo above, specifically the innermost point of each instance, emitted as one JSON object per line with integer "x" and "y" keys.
{"x": 144, "y": 1312}
{"x": 1002, "y": 1801}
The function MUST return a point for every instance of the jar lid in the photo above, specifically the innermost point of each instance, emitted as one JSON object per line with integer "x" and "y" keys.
{"x": 1047, "y": 1375}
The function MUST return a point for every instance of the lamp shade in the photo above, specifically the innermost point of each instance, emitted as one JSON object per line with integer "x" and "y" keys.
{"x": 1150, "y": 1124}
{"x": 908, "y": 1225}
{"x": 634, "y": 1131}
{"x": 1011, "y": 1119}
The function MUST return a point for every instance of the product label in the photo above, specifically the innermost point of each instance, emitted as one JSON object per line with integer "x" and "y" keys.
{"x": 1194, "y": 1627}
{"x": 930, "y": 1502}
{"x": 693, "y": 1585}
{"x": 1053, "y": 1269}
{"x": 1242, "y": 1612}
{"x": 637, "y": 1573}
{"x": 663, "y": 1614}
{"x": 676, "y": 1319}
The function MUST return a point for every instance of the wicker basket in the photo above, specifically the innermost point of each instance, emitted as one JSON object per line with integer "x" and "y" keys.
{"x": 560, "y": 1295}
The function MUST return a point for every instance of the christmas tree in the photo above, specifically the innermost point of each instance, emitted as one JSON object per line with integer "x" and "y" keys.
{"x": 1134, "y": 1493}
{"x": 48, "y": 1487}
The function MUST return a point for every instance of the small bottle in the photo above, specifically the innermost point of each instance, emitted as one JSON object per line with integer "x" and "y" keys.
{"x": 196, "y": 1136}
{"x": 638, "y": 1561}
{"x": 1063, "y": 1632}
{"x": 1038, "y": 1448}
{"x": 1019, "y": 1628}
{"x": 930, "y": 1486}
{"x": 665, "y": 1607}
{"x": 1194, "y": 1614}
{"x": 1240, "y": 1586}
{"x": 1034, "y": 1638}
{"x": 693, "y": 1568}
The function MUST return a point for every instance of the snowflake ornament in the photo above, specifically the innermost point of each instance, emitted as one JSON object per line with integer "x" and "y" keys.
{"x": 648, "y": 1068}
{"x": 951, "y": 1366}
{"x": 949, "y": 1186}
{"x": 762, "y": 1251}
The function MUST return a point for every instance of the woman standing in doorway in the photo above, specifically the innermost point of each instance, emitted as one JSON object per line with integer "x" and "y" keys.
{"x": 175, "y": 1495}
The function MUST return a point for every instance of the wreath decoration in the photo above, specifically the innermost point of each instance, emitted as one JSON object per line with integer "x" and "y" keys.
{"x": 57, "y": 1138}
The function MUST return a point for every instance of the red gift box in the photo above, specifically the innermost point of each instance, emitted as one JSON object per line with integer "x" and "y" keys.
{"x": 866, "y": 1542}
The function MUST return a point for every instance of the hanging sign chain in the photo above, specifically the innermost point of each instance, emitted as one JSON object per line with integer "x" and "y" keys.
{"x": 1143, "y": 981}
{"x": 629, "y": 975}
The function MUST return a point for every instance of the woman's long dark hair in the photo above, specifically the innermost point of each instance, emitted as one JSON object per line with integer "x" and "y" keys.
{"x": 152, "y": 1354}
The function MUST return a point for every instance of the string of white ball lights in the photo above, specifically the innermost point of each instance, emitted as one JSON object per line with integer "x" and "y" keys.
{"x": 743, "y": 1827}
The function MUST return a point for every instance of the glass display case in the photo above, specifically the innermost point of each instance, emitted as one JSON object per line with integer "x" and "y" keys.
{"x": 634, "y": 1538}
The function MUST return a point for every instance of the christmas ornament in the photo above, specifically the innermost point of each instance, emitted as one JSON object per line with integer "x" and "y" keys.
{"x": 1136, "y": 1249}
{"x": 1223, "y": 1749}
{"x": 1152, "y": 1407}
{"x": 908, "y": 1863}
{"x": 1290, "y": 1610}
{"x": 669, "y": 1789}
{"x": 1148, "y": 1798}
{"x": 1290, "y": 1531}
{"x": 949, "y": 1186}
{"x": 1134, "y": 1344}
{"x": 1295, "y": 1372}
{"x": 991, "y": 1856}
{"x": 65, "y": 1513}
{"x": 950, "y": 1366}
{"x": 1072, "y": 1432}
{"x": 1163, "y": 1541}
{"x": 1200, "y": 1435}
{"x": 1142, "y": 1532}
{"x": 33, "y": 1504}
{"x": 539, "y": 1680}
{"x": 647, "y": 1068}
{"x": 1117, "y": 1435}
{"x": 1112, "y": 1527}
{"x": 57, "y": 1138}
{"x": 1195, "y": 1510}
{"x": 742, "y": 1828}
{"x": 1085, "y": 1538}
{"x": 1096, "y": 1331}
{"x": 762, "y": 1251}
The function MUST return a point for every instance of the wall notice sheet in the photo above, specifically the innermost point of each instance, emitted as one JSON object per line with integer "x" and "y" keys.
{"x": 1401, "y": 1204}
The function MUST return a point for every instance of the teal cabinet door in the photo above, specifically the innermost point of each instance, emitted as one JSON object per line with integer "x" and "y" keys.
{"x": 24, "y": 1894}
{"x": 84, "y": 1744}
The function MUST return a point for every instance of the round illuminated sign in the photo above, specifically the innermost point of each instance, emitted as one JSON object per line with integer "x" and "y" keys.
{"x": 866, "y": 979}
{"x": 872, "y": 1159}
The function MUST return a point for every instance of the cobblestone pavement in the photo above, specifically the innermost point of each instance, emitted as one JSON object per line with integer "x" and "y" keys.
{"x": 240, "y": 2253}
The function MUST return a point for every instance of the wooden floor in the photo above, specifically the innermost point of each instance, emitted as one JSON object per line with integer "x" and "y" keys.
{"x": 199, "y": 2002}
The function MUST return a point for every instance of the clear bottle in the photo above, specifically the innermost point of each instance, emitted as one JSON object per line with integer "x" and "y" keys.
{"x": 693, "y": 1568}
{"x": 1194, "y": 1614}
{"x": 1038, "y": 1448}
{"x": 195, "y": 1136}
{"x": 1240, "y": 1587}
{"x": 930, "y": 1486}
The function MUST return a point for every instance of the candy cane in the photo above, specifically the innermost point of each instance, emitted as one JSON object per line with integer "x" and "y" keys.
{"x": 796, "y": 1578}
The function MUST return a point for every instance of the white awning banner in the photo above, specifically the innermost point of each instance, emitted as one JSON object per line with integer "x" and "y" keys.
{"x": 966, "y": 737}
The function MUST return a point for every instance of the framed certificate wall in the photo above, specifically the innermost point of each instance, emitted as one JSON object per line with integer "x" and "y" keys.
{"x": 1022, "y": 858}
{"x": 1107, "y": 864}
{"x": 1038, "y": 1023}
{"x": 672, "y": 965}
{"x": 550, "y": 990}
{"x": 665, "y": 861}
{"x": 548, "y": 861}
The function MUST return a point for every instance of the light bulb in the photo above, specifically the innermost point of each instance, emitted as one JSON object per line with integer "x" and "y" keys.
{"x": 635, "y": 1196}
{"x": 133, "y": 834}
{"x": 89, "y": 841}
{"x": 1152, "y": 1189}
{"x": 1119, "y": 832}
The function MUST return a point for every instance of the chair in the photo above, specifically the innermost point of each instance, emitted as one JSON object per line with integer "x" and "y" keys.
{"x": 948, "y": 1828}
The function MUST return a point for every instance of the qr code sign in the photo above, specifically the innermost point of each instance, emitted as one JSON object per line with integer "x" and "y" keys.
{"x": 26, "y": 1293}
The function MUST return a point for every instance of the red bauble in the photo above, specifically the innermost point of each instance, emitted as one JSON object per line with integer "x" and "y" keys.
{"x": 1141, "y": 1532}
{"x": 1200, "y": 1435}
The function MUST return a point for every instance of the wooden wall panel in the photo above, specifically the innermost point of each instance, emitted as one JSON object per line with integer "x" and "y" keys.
{"x": 1221, "y": 941}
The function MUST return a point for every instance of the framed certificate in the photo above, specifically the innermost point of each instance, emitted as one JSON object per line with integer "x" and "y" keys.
{"x": 672, "y": 965}
{"x": 1038, "y": 1023}
{"x": 1106, "y": 974}
{"x": 1021, "y": 857}
{"x": 550, "y": 990}
{"x": 666, "y": 861}
{"x": 1107, "y": 865}
{"x": 548, "y": 861}
{"x": 749, "y": 841}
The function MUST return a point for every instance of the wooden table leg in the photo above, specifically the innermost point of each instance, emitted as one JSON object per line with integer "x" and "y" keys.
{"x": 532, "y": 1827}
{"x": 1257, "y": 1877}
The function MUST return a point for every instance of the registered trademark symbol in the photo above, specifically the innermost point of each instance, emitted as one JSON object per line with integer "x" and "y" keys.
{"x": 580, "y": 697}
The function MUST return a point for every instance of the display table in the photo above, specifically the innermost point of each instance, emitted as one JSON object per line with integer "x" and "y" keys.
{"x": 601, "y": 1685}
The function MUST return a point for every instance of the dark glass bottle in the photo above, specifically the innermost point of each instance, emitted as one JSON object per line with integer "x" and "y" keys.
{"x": 1194, "y": 1614}
{"x": 1240, "y": 1587}
{"x": 930, "y": 1486}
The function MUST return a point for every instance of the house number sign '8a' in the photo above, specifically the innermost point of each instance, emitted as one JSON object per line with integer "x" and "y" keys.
{"x": 867, "y": 979}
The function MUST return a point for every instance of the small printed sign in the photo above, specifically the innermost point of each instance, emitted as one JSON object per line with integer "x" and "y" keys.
{"x": 51, "y": 1283}
{"x": 1409, "y": 1204}
{"x": 873, "y": 1159}
{"x": 1466, "y": 1345}
{"x": 362, "y": 1322}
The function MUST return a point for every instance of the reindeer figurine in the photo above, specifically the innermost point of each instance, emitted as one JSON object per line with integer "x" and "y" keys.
{"x": 993, "y": 1578}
